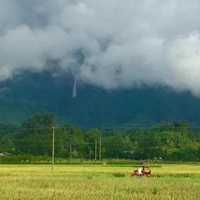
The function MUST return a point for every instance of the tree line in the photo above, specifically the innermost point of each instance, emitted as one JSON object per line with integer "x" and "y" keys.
{"x": 168, "y": 141}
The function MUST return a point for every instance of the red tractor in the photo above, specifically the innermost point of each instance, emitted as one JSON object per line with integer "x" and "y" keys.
{"x": 142, "y": 171}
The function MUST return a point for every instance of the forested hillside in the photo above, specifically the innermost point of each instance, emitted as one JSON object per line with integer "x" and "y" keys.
{"x": 31, "y": 93}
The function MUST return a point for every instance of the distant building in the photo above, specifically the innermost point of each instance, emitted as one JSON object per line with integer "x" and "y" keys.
{"x": 5, "y": 154}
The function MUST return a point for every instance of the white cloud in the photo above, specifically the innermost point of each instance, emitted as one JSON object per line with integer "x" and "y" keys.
{"x": 107, "y": 43}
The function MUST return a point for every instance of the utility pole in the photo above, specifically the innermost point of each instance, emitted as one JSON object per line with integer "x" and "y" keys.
{"x": 70, "y": 146}
{"x": 100, "y": 148}
{"x": 53, "y": 141}
{"x": 95, "y": 149}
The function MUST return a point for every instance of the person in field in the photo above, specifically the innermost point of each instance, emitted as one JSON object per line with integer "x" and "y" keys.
{"x": 140, "y": 171}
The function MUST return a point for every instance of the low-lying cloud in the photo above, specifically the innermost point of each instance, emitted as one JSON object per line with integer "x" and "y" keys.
{"x": 111, "y": 43}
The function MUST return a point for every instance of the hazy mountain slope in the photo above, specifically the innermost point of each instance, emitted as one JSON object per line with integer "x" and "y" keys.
{"x": 32, "y": 93}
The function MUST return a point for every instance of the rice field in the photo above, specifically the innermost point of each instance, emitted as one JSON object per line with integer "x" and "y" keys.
{"x": 90, "y": 182}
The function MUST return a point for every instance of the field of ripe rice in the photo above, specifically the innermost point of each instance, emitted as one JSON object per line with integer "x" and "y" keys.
{"x": 76, "y": 182}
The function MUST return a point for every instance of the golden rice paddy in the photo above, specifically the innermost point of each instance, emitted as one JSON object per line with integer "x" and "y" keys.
{"x": 90, "y": 182}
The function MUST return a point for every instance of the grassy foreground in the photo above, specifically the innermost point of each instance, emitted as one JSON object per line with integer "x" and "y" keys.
{"x": 36, "y": 182}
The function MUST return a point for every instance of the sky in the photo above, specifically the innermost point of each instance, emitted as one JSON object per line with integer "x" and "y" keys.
{"x": 108, "y": 43}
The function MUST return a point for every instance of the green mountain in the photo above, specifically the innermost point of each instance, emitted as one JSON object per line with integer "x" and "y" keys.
{"x": 31, "y": 93}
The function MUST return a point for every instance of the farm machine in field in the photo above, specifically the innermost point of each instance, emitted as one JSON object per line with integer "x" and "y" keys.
{"x": 143, "y": 171}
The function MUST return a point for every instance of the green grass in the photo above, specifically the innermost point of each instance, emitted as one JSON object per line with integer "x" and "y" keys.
{"x": 93, "y": 182}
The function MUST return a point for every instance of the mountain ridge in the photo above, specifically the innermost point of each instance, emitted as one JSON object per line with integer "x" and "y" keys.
{"x": 31, "y": 93}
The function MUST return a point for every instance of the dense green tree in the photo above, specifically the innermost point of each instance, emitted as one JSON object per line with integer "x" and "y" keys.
{"x": 6, "y": 144}
{"x": 92, "y": 139}
{"x": 176, "y": 141}
{"x": 75, "y": 142}
{"x": 7, "y": 129}
{"x": 149, "y": 147}
{"x": 117, "y": 146}
{"x": 35, "y": 135}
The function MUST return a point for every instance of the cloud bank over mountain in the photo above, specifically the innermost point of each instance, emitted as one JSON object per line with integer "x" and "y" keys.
{"x": 110, "y": 44}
